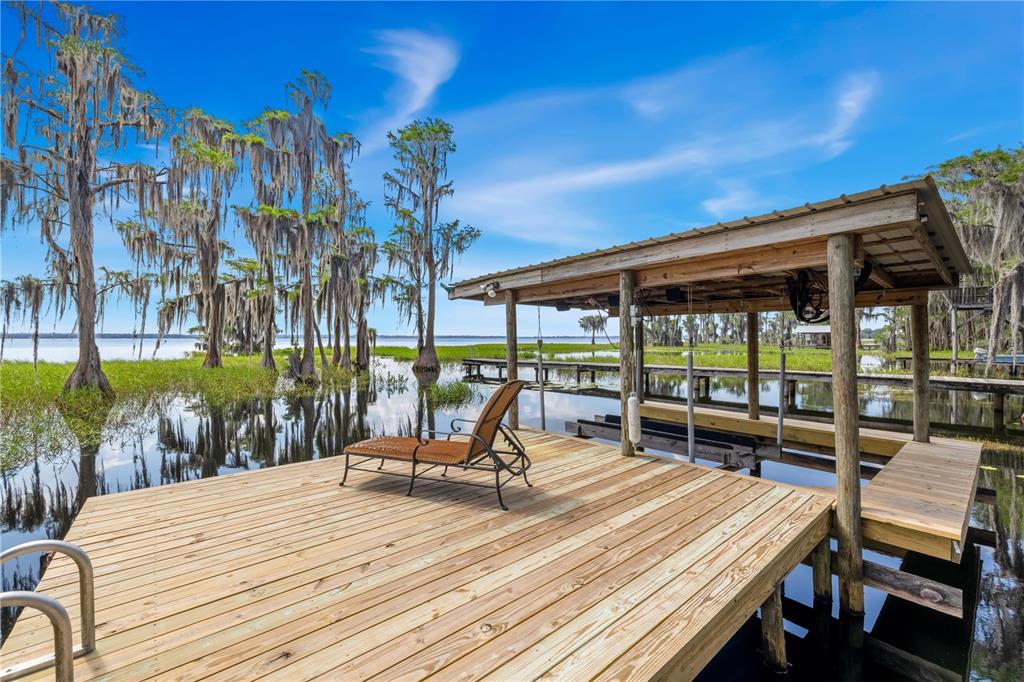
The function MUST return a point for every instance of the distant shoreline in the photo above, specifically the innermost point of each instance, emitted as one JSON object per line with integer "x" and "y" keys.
{"x": 439, "y": 337}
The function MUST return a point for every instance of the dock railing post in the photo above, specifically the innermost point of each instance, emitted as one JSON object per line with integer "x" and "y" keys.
{"x": 627, "y": 374}
{"x": 845, "y": 410}
{"x": 511, "y": 353}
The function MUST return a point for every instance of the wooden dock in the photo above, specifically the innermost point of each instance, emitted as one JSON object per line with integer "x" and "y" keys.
{"x": 609, "y": 567}
{"x": 474, "y": 366}
{"x": 921, "y": 500}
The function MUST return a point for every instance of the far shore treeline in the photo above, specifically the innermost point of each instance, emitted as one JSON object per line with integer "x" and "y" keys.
{"x": 317, "y": 265}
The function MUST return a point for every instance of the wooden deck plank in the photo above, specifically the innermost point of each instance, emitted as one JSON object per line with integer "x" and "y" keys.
{"x": 922, "y": 498}
{"x": 795, "y": 431}
{"x": 281, "y": 573}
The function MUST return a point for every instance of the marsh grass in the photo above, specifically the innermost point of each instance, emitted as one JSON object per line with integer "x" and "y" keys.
{"x": 446, "y": 395}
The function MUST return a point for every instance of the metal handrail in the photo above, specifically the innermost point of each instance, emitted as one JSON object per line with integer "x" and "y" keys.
{"x": 64, "y": 650}
{"x": 62, "y": 644}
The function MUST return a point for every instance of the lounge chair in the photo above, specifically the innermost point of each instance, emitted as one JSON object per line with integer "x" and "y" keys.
{"x": 469, "y": 451}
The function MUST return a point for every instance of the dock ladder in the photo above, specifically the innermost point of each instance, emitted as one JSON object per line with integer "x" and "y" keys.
{"x": 64, "y": 651}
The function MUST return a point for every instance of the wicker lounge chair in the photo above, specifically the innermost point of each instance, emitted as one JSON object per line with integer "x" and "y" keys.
{"x": 469, "y": 451}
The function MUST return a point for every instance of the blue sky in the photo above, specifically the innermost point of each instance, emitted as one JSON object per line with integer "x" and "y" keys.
{"x": 584, "y": 125}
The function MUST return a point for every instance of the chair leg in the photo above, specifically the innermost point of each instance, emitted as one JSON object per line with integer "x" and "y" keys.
{"x": 344, "y": 476}
{"x": 497, "y": 488}
{"x": 381, "y": 464}
{"x": 444, "y": 474}
{"x": 526, "y": 480}
{"x": 412, "y": 479}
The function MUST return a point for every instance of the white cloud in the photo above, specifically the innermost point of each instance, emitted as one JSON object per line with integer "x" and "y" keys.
{"x": 969, "y": 133}
{"x": 537, "y": 199}
{"x": 855, "y": 92}
{"x": 738, "y": 198}
{"x": 422, "y": 63}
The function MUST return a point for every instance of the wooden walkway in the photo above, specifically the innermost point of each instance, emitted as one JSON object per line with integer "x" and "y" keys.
{"x": 609, "y": 567}
{"x": 922, "y": 498}
{"x": 474, "y": 366}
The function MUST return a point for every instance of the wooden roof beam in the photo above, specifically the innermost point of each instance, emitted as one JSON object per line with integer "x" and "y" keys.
{"x": 865, "y": 299}
{"x": 918, "y": 228}
{"x": 889, "y": 212}
{"x": 736, "y": 265}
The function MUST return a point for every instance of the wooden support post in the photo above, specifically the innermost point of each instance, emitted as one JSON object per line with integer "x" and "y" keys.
{"x": 753, "y": 382}
{"x": 638, "y": 340}
{"x": 920, "y": 362}
{"x": 999, "y": 412}
{"x": 627, "y": 373}
{"x": 773, "y": 634}
{"x": 845, "y": 409}
{"x": 821, "y": 568}
{"x": 512, "y": 353}
{"x": 955, "y": 333}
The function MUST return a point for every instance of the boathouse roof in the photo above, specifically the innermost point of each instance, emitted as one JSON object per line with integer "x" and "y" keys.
{"x": 905, "y": 234}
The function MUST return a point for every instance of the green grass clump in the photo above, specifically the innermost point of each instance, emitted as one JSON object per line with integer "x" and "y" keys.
{"x": 451, "y": 394}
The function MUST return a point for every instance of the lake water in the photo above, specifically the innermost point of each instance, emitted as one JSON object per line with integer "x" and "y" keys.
{"x": 181, "y": 437}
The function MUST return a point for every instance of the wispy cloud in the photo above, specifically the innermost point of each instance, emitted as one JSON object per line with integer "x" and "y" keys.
{"x": 855, "y": 92}
{"x": 737, "y": 198}
{"x": 969, "y": 133}
{"x": 546, "y": 201}
{"x": 421, "y": 63}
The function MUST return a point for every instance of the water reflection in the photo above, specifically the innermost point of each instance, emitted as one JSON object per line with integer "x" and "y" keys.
{"x": 170, "y": 439}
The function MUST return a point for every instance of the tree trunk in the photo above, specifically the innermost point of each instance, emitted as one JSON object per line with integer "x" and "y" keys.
{"x": 214, "y": 327}
{"x": 267, "y": 361}
{"x": 362, "y": 344}
{"x": 346, "y": 353}
{"x": 307, "y": 365}
{"x": 87, "y": 372}
{"x": 427, "y": 359}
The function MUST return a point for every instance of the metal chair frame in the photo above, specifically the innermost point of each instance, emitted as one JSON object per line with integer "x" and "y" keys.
{"x": 490, "y": 460}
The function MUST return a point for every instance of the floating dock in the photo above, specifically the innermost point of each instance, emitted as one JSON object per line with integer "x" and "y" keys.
{"x": 609, "y": 567}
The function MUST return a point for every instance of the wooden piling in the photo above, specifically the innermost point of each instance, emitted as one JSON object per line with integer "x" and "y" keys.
{"x": 773, "y": 634}
{"x": 753, "y": 382}
{"x": 845, "y": 408}
{"x": 627, "y": 361}
{"x": 638, "y": 341}
{"x": 919, "y": 369}
{"x": 821, "y": 567}
{"x": 512, "y": 353}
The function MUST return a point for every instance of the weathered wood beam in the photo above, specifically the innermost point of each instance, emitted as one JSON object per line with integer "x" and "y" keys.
{"x": 512, "y": 353}
{"x": 918, "y": 230}
{"x": 864, "y": 299}
{"x": 821, "y": 570}
{"x": 773, "y": 633}
{"x": 846, "y": 410}
{"x": 888, "y": 212}
{"x": 626, "y": 358}
{"x": 763, "y": 260}
{"x": 919, "y": 369}
{"x": 753, "y": 380}
{"x": 882, "y": 277}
